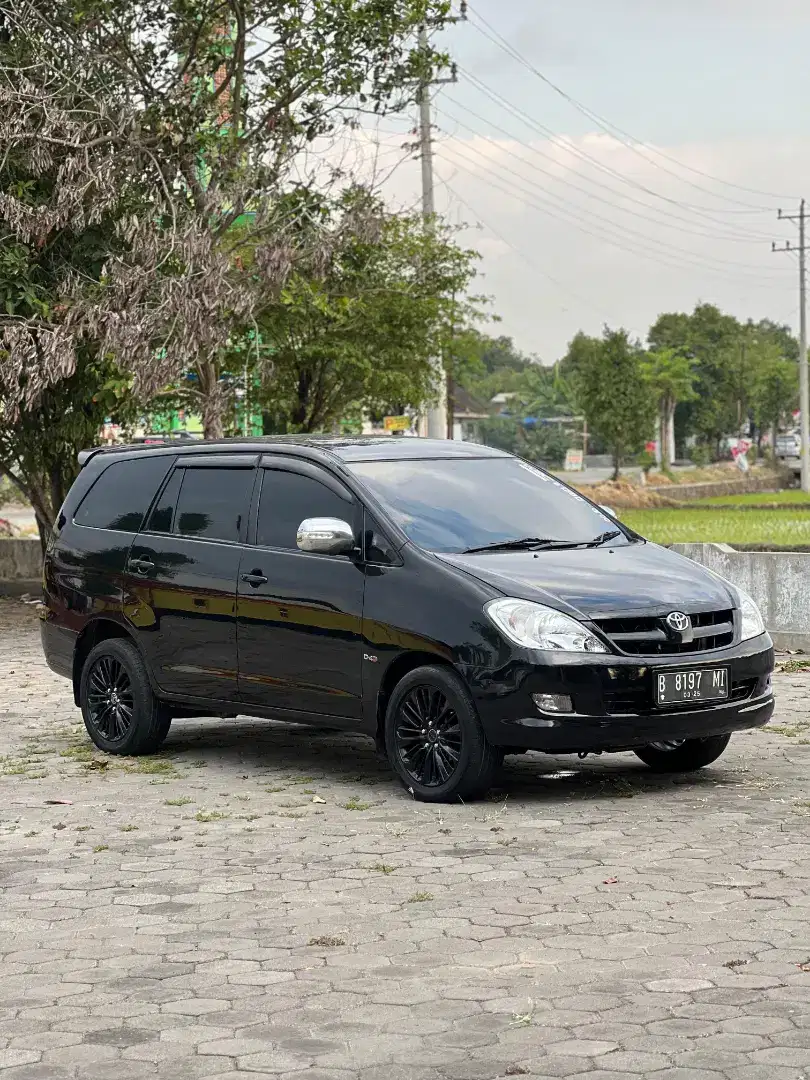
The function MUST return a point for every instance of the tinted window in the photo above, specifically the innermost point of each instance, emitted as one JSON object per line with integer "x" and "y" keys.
{"x": 287, "y": 498}
{"x": 451, "y": 505}
{"x": 122, "y": 494}
{"x": 160, "y": 520}
{"x": 213, "y": 503}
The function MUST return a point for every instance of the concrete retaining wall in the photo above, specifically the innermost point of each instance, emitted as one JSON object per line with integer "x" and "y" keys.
{"x": 779, "y": 581}
{"x": 20, "y": 560}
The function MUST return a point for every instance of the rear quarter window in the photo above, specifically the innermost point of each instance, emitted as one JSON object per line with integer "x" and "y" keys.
{"x": 122, "y": 494}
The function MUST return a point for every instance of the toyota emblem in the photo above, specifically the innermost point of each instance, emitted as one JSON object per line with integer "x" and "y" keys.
{"x": 677, "y": 621}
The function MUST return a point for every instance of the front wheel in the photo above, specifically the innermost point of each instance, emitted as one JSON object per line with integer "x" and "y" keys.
{"x": 434, "y": 738}
{"x": 121, "y": 714}
{"x": 684, "y": 755}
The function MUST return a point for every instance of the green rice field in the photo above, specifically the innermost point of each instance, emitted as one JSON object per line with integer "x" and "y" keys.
{"x": 761, "y": 498}
{"x": 781, "y": 527}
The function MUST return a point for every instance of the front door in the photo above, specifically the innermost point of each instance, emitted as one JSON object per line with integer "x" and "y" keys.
{"x": 182, "y": 573}
{"x": 300, "y": 614}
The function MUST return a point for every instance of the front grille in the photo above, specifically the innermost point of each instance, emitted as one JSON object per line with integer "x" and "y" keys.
{"x": 636, "y": 697}
{"x": 649, "y": 635}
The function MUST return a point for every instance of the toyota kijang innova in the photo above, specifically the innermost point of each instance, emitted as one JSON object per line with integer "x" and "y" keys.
{"x": 451, "y": 601}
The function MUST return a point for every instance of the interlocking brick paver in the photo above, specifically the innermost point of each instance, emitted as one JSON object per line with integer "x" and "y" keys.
{"x": 197, "y": 914}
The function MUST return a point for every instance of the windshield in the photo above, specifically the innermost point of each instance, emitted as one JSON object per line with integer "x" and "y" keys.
{"x": 452, "y": 505}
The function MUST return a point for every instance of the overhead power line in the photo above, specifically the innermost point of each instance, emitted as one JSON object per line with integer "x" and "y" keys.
{"x": 669, "y": 221}
{"x": 619, "y": 236}
{"x": 613, "y": 129}
{"x": 578, "y": 152}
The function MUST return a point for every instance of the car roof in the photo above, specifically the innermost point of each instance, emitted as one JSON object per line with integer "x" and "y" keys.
{"x": 349, "y": 449}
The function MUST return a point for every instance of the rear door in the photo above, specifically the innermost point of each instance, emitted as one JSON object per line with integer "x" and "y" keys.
{"x": 300, "y": 614}
{"x": 182, "y": 574}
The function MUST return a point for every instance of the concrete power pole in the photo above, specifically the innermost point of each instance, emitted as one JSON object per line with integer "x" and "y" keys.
{"x": 436, "y": 414}
{"x": 804, "y": 383}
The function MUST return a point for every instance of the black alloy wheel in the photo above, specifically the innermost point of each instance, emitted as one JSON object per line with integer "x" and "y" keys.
{"x": 434, "y": 738}
{"x": 110, "y": 700}
{"x": 121, "y": 713}
{"x": 428, "y": 736}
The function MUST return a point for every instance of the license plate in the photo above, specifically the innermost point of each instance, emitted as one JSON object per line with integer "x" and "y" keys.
{"x": 674, "y": 687}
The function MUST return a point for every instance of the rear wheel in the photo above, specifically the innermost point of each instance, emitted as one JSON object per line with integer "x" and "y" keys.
{"x": 683, "y": 755}
{"x": 434, "y": 738}
{"x": 121, "y": 714}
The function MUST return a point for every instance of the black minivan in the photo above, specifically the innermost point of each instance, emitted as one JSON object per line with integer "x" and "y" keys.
{"x": 451, "y": 601}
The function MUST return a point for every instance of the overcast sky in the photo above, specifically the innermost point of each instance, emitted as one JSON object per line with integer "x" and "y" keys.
{"x": 578, "y": 226}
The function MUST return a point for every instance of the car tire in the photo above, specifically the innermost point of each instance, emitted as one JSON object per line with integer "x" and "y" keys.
{"x": 456, "y": 764}
{"x": 120, "y": 712}
{"x": 686, "y": 756}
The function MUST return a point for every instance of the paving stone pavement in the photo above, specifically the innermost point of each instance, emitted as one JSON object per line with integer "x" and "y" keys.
{"x": 266, "y": 903}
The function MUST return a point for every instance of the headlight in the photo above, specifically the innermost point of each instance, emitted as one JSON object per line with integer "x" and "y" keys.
{"x": 538, "y": 627}
{"x": 752, "y": 624}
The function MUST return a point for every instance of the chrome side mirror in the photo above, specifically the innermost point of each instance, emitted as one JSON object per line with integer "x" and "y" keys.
{"x": 325, "y": 536}
{"x": 607, "y": 509}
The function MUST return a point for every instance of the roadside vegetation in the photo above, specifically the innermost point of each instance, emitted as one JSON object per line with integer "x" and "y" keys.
{"x": 777, "y": 527}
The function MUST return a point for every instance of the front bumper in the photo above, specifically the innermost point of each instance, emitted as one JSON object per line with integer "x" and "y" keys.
{"x": 613, "y": 699}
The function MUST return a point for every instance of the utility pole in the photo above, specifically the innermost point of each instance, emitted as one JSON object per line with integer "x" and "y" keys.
{"x": 437, "y": 413}
{"x": 804, "y": 384}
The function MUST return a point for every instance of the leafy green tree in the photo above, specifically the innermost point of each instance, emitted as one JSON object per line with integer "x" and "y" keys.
{"x": 184, "y": 123}
{"x": 671, "y": 376}
{"x": 775, "y": 396}
{"x": 727, "y": 357}
{"x": 607, "y": 376}
{"x": 362, "y": 334}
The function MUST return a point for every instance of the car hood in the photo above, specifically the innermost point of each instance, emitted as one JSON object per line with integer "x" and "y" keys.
{"x": 605, "y": 582}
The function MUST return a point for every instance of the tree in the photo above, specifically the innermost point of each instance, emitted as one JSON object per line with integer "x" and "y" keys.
{"x": 775, "y": 396}
{"x": 362, "y": 333}
{"x": 671, "y": 377}
{"x": 183, "y": 124}
{"x": 727, "y": 357}
{"x": 607, "y": 375}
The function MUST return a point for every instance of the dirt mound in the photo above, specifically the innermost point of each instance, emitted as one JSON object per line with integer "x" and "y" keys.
{"x": 625, "y": 495}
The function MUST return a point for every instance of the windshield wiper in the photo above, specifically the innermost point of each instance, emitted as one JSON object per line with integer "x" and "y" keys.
{"x": 603, "y": 538}
{"x": 536, "y": 543}
{"x": 527, "y": 543}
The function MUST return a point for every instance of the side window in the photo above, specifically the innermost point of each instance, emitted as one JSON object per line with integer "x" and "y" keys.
{"x": 286, "y": 499}
{"x": 122, "y": 494}
{"x": 160, "y": 520}
{"x": 213, "y": 503}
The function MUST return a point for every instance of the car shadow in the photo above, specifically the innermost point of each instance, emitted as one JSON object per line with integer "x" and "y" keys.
{"x": 264, "y": 748}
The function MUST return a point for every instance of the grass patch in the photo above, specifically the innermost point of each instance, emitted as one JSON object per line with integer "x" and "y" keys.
{"x": 779, "y": 527}
{"x": 790, "y": 731}
{"x": 210, "y": 815}
{"x": 182, "y": 800}
{"x": 759, "y": 498}
{"x": 81, "y": 751}
{"x": 790, "y": 667}
{"x": 100, "y": 847}
{"x": 382, "y": 868}
{"x": 356, "y": 804}
{"x": 152, "y": 765}
{"x": 327, "y": 942}
{"x": 127, "y": 828}
{"x": 420, "y": 897}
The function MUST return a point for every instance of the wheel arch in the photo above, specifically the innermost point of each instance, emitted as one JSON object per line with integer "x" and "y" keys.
{"x": 97, "y": 630}
{"x": 395, "y": 673}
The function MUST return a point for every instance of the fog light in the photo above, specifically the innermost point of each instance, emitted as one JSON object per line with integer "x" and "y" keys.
{"x": 555, "y": 703}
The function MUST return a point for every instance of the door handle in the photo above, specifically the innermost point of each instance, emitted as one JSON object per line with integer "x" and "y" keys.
{"x": 141, "y": 566}
{"x": 256, "y": 578}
